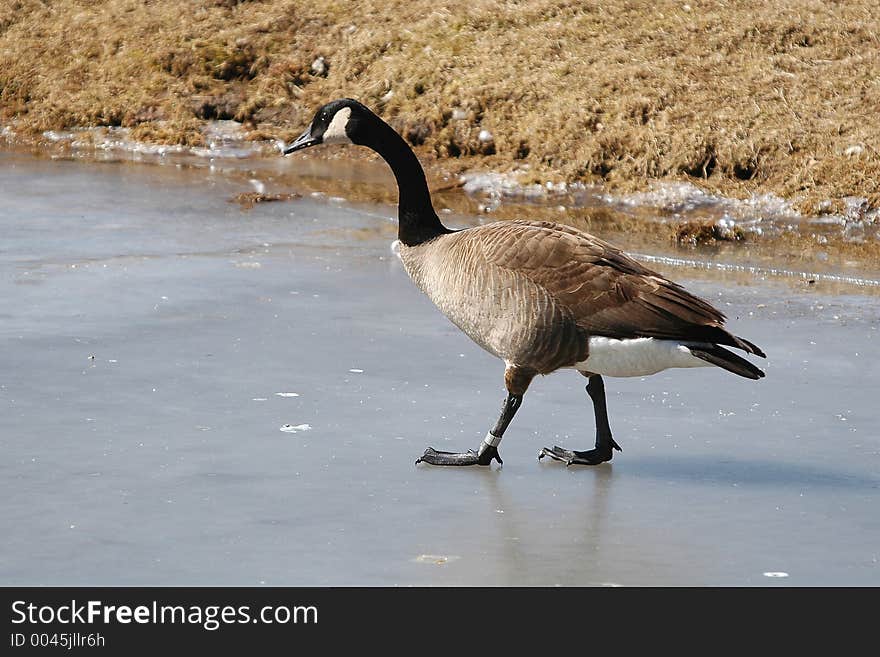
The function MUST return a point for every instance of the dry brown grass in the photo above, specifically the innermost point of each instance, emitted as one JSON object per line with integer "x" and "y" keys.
{"x": 737, "y": 96}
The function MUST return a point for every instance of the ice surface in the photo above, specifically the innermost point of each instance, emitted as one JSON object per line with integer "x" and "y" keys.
{"x": 170, "y": 474}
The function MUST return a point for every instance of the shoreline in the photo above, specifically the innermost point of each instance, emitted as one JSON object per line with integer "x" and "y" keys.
{"x": 678, "y": 224}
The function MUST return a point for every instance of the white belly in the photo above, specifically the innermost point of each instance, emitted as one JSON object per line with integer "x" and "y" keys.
{"x": 636, "y": 356}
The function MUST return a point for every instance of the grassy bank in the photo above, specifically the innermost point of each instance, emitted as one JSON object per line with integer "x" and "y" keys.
{"x": 734, "y": 97}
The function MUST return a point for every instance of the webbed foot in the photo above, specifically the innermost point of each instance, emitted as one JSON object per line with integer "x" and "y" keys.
{"x": 470, "y": 457}
{"x": 589, "y": 457}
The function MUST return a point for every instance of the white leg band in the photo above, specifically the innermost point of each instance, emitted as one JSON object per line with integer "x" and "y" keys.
{"x": 489, "y": 441}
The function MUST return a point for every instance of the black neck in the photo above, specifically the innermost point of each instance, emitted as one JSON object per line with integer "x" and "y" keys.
{"x": 417, "y": 221}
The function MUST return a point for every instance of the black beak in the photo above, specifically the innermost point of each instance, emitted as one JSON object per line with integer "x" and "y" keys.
{"x": 303, "y": 141}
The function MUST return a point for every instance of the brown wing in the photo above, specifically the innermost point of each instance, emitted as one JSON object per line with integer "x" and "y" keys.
{"x": 607, "y": 292}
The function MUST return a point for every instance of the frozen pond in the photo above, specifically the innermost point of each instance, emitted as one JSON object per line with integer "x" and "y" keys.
{"x": 192, "y": 393}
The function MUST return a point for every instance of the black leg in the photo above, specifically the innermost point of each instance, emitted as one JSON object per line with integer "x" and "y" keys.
{"x": 604, "y": 442}
{"x": 488, "y": 448}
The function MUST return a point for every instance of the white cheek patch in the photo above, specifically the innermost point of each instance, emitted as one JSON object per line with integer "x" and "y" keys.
{"x": 335, "y": 132}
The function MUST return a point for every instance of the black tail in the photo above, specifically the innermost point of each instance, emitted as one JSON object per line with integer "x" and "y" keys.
{"x": 717, "y": 335}
{"x": 727, "y": 359}
{"x": 749, "y": 347}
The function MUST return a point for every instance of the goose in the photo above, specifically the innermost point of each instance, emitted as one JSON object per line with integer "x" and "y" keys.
{"x": 541, "y": 296}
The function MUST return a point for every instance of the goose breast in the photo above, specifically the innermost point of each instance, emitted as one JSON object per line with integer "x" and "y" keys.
{"x": 497, "y": 303}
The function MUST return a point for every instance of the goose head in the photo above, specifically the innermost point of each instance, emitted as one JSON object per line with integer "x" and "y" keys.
{"x": 346, "y": 121}
{"x": 343, "y": 121}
